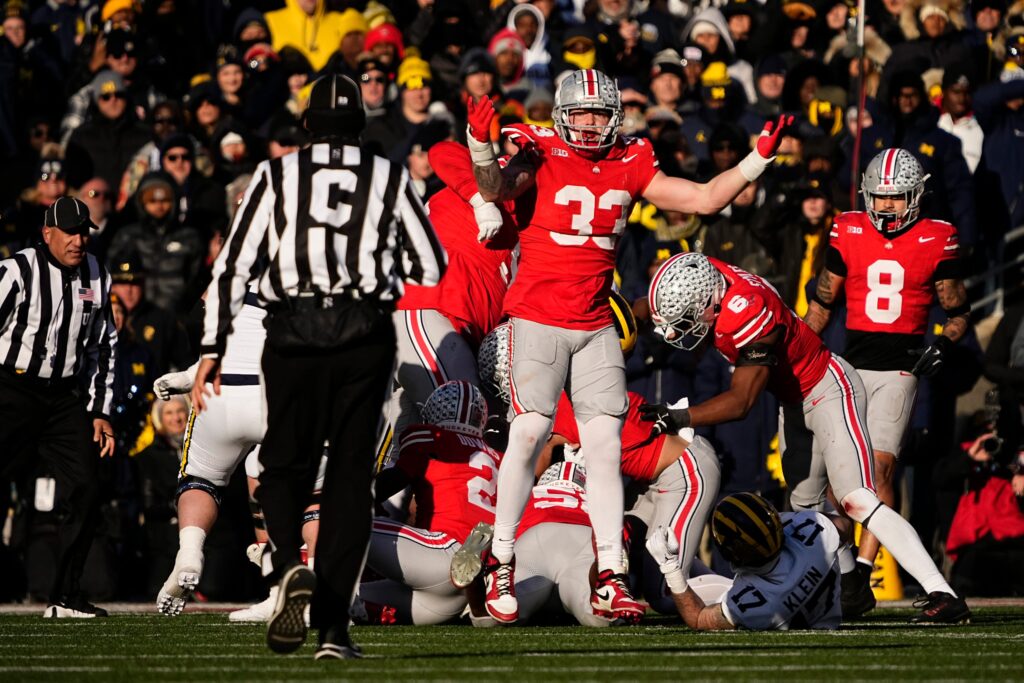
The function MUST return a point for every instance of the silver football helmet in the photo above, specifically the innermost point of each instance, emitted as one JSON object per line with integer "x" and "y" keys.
{"x": 492, "y": 363}
{"x": 593, "y": 90}
{"x": 893, "y": 172}
{"x": 457, "y": 406}
{"x": 685, "y": 297}
{"x": 569, "y": 475}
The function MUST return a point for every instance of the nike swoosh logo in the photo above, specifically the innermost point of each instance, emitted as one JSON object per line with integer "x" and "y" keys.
{"x": 922, "y": 240}
{"x": 816, "y": 401}
{"x": 629, "y": 159}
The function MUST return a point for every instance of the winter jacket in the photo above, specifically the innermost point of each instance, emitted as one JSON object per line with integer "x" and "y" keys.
{"x": 102, "y": 147}
{"x": 317, "y": 37}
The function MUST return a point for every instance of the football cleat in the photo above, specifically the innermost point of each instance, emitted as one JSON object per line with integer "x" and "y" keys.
{"x": 180, "y": 585}
{"x": 857, "y": 597}
{"x": 73, "y": 609}
{"x": 467, "y": 562}
{"x": 286, "y": 629}
{"x": 260, "y": 612}
{"x": 612, "y": 600}
{"x": 500, "y": 589}
{"x": 337, "y": 645}
{"x": 941, "y": 608}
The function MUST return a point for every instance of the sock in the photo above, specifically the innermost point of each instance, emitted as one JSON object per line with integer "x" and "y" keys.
{"x": 309, "y": 562}
{"x": 191, "y": 539}
{"x": 526, "y": 437}
{"x": 865, "y": 562}
{"x": 896, "y": 534}
{"x": 601, "y": 440}
{"x": 847, "y": 562}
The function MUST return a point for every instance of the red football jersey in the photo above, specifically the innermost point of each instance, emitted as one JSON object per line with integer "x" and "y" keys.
{"x": 455, "y": 479}
{"x": 890, "y": 282}
{"x": 576, "y": 212}
{"x": 472, "y": 291}
{"x": 639, "y": 458}
{"x": 750, "y": 310}
{"x": 555, "y": 505}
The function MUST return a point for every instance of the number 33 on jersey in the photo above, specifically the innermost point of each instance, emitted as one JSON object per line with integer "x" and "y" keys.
{"x": 577, "y": 211}
{"x": 890, "y": 281}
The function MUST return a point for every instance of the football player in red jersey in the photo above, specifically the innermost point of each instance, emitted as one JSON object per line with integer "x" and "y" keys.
{"x": 890, "y": 263}
{"x": 439, "y": 328}
{"x": 579, "y": 188}
{"x": 453, "y": 475}
{"x": 693, "y": 297}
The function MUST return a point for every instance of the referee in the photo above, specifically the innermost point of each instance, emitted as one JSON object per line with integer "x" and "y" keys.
{"x": 330, "y": 233}
{"x": 57, "y": 342}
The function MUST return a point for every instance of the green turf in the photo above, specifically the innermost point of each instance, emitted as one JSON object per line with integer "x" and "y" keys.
{"x": 208, "y": 648}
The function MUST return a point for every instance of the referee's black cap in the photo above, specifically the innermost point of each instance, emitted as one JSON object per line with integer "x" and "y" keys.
{"x": 68, "y": 215}
{"x": 335, "y": 107}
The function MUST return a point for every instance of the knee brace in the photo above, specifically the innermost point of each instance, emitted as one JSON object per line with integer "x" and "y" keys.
{"x": 190, "y": 483}
{"x": 860, "y": 504}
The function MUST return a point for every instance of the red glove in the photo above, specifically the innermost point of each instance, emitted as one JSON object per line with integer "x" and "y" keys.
{"x": 771, "y": 136}
{"x": 480, "y": 114}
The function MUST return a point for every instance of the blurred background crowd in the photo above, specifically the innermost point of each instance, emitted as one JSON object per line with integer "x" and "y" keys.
{"x": 155, "y": 112}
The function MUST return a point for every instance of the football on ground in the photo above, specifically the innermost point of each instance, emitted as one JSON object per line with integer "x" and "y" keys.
{"x": 206, "y": 647}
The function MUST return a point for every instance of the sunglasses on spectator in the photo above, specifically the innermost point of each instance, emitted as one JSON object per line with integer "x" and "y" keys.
{"x": 178, "y": 157}
{"x": 367, "y": 78}
{"x": 119, "y": 53}
{"x": 107, "y": 96}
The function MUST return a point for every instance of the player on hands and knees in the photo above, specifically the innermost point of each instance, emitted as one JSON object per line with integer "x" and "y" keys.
{"x": 891, "y": 263}
{"x": 787, "y": 569}
{"x": 822, "y": 401}
{"x": 584, "y": 178}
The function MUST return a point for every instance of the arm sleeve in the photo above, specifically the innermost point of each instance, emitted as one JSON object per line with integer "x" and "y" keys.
{"x": 233, "y": 268}
{"x": 834, "y": 261}
{"x": 10, "y": 292}
{"x": 99, "y": 354}
{"x": 423, "y": 258}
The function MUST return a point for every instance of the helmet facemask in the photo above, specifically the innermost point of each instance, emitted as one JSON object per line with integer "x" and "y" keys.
{"x": 583, "y": 91}
{"x": 686, "y": 295}
{"x": 893, "y": 172}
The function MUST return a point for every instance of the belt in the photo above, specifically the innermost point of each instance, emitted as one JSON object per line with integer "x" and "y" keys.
{"x": 39, "y": 382}
{"x": 317, "y": 301}
{"x": 233, "y": 380}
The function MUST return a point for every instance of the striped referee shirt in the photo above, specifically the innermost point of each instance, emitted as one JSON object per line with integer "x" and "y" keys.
{"x": 328, "y": 219}
{"x": 55, "y": 322}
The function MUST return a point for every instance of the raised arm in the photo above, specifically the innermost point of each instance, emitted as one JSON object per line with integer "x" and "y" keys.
{"x": 494, "y": 182}
{"x": 678, "y": 194}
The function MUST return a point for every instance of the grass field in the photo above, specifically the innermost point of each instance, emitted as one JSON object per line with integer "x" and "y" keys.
{"x": 206, "y": 647}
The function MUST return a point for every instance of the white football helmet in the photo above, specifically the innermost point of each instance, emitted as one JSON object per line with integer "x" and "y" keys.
{"x": 587, "y": 89}
{"x": 492, "y": 362}
{"x": 457, "y": 406}
{"x": 685, "y": 297}
{"x": 893, "y": 172}
{"x": 569, "y": 475}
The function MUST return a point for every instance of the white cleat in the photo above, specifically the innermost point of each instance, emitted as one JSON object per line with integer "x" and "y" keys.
{"x": 260, "y": 612}
{"x": 179, "y": 586}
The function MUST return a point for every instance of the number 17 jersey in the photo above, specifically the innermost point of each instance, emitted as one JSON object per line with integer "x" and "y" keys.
{"x": 574, "y": 216}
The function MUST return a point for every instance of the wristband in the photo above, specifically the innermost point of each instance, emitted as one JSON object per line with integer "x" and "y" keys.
{"x": 476, "y": 201}
{"x": 753, "y": 165}
{"x": 818, "y": 300}
{"x": 675, "y": 581}
{"x": 482, "y": 153}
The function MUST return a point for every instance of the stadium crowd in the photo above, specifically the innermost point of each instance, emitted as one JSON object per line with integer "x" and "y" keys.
{"x": 155, "y": 114}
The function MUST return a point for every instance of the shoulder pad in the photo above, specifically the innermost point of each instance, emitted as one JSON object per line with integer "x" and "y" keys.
{"x": 521, "y": 132}
{"x": 744, "y": 317}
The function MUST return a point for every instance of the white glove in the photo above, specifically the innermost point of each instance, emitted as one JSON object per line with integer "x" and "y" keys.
{"x": 488, "y": 218}
{"x": 664, "y": 548}
{"x": 173, "y": 383}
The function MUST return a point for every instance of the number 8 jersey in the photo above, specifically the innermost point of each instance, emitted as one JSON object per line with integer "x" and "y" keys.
{"x": 890, "y": 285}
{"x": 575, "y": 214}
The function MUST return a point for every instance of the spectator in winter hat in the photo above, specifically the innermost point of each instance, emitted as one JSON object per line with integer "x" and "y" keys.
{"x": 385, "y": 43}
{"x": 958, "y": 116}
{"x": 477, "y": 72}
{"x": 667, "y": 78}
{"x": 507, "y": 49}
{"x": 374, "y": 84}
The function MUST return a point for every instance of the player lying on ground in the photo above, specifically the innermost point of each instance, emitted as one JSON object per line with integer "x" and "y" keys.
{"x": 693, "y": 298}
{"x": 787, "y": 569}
{"x": 579, "y": 182}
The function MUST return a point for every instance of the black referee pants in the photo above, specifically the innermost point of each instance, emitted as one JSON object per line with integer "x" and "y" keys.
{"x": 48, "y": 421}
{"x": 313, "y": 397}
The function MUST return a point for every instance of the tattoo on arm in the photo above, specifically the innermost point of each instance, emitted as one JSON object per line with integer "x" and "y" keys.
{"x": 827, "y": 286}
{"x": 488, "y": 181}
{"x": 817, "y": 317}
{"x": 499, "y": 184}
{"x": 952, "y": 294}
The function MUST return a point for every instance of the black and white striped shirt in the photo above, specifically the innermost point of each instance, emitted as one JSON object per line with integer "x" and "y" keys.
{"x": 328, "y": 219}
{"x": 55, "y": 322}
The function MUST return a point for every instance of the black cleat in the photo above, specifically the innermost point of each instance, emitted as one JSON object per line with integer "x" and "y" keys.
{"x": 941, "y": 608}
{"x": 286, "y": 630}
{"x": 73, "y": 608}
{"x": 336, "y": 644}
{"x": 857, "y": 597}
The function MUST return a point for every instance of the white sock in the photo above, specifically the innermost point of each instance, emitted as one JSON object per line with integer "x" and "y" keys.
{"x": 191, "y": 539}
{"x": 896, "y": 534}
{"x": 309, "y": 561}
{"x": 526, "y": 437}
{"x": 861, "y": 560}
{"x": 847, "y": 562}
{"x": 601, "y": 439}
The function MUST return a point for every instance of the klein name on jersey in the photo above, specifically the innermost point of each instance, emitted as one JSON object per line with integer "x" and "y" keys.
{"x": 799, "y": 595}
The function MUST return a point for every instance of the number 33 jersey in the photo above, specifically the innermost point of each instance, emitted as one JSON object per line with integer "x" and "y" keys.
{"x": 576, "y": 212}
{"x": 800, "y": 589}
{"x": 890, "y": 285}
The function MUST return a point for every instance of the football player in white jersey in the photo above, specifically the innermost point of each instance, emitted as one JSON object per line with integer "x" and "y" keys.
{"x": 787, "y": 569}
